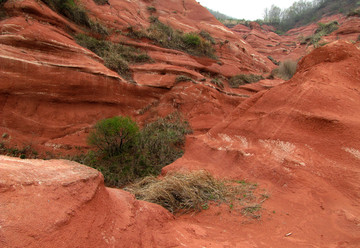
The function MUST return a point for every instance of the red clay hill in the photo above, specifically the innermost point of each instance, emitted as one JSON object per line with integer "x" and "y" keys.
{"x": 299, "y": 140}
{"x": 292, "y": 45}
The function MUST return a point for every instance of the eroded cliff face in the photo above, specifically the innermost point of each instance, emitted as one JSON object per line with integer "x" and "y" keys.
{"x": 53, "y": 90}
{"x": 292, "y": 45}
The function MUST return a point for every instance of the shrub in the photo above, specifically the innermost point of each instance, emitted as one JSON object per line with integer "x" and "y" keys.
{"x": 191, "y": 40}
{"x": 243, "y": 79}
{"x": 156, "y": 145}
{"x": 192, "y": 191}
{"x": 287, "y": 69}
{"x": 114, "y": 136}
{"x": 162, "y": 140}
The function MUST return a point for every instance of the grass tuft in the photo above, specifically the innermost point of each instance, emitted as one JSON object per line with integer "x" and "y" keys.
{"x": 286, "y": 70}
{"x": 243, "y": 79}
{"x": 193, "y": 191}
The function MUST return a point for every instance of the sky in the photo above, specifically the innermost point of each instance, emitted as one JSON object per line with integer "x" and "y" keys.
{"x": 244, "y": 9}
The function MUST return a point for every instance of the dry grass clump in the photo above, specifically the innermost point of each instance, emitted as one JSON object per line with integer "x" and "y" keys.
{"x": 243, "y": 79}
{"x": 181, "y": 193}
{"x": 286, "y": 70}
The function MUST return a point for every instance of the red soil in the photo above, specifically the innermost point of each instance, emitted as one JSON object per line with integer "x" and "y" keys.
{"x": 288, "y": 46}
{"x": 299, "y": 140}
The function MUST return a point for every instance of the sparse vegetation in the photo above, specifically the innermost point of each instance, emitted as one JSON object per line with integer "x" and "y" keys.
{"x": 322, "y": 30}
{"x": 124, "y": 153}
{"x": 243, "y": 79}
{"x": 76, "y": 13}
{"x": 193, "y": 191}
{"x": 286, "y": 70}
{"x": 101, "y": 2}
{"x": 217, "y": 82}
{"x": 183, "y": 78}
{"x": 116, "y": 56}
{"x": 207, "y": 36}
{"x": 151, "y": 9}
{"x": 355, "y": 12}
{"x": 25, "y": 151}
{"x": 165, "y": 36}
{"x": 71, "y": 10}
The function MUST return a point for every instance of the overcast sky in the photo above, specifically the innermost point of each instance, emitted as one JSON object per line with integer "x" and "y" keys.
{"x": 244, "y": 9}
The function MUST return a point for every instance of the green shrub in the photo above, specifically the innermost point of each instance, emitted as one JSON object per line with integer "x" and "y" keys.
{"x": 162, "y": 140}
{"x": 159, "y": 143}
{"x": 286, "y": 69}
{"x": 243, "y": 79}
{"x": 114, "y": 136}
{"x": 191, "y": 40}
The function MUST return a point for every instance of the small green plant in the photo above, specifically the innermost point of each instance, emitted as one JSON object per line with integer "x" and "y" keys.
{"x": 243, "y": 79}
{"x": 191, "y": 40}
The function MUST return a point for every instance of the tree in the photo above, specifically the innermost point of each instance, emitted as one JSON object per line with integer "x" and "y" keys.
{"x": 114, "y": 136}
{"x": 274, "y": 14}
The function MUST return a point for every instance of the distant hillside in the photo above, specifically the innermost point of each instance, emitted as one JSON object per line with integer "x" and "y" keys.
{"x": 304, "y": 12}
